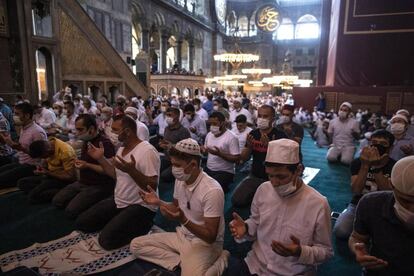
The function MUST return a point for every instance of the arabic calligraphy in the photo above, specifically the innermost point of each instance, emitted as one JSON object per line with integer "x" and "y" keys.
{"x": 268, "y": 19}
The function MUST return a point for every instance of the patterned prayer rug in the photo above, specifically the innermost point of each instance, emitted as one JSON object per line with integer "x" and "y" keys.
{"x": 74, "y": 254}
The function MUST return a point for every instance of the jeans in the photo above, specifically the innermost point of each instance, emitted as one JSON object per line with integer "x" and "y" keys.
{"x": 244, "y": 193}
{"x": 119, "y": 225}
{"x": 76, "y": 198}
{"x": 11, "y": 173}
{"x": 224, "y": 178}
{"x": 345, "y": 222}
{"x": 41, "y": 189}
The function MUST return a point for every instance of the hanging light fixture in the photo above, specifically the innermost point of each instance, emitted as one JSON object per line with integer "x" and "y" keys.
{"x": 236, "y": 58}
{"x": 256, "y": 71}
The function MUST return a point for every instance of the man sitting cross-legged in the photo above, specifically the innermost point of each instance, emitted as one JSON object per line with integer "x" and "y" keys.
{"x": 60, "y": 170}
{"x": 93, "y": 184}
{"x": 136, "y": 166}
{"x": 197, "y": 245}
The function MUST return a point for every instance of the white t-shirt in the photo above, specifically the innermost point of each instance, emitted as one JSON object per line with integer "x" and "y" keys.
{"x": 202, "y": 113}
{"x": 126, "y": 190}
{"x": 160, "y": 120}
{"x": 142, "y": 131}
{"x": 342, "y": 131}
{"x": 226, "y": 143}
{"x": 206, "y": 199}
{"x": 243, "y": 111}
{"x": 241, "y": 136}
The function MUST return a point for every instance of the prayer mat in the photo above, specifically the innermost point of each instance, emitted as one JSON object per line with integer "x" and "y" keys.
{"x": 74, "y": 254}
{"x": 8, "y": 190}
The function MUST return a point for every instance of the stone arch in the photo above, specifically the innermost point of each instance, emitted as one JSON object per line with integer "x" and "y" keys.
{"x": 159, "y": 20}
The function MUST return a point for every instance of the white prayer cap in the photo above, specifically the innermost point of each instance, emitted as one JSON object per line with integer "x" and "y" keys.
{"x": 402, "y": 176}
{"x": 399, "y": 116}
{"x": 348, "y": 104}
{"x": 368, "y": 135}
{"x": 135, "y": 100}
{"x": 189, "y": 146}
{"x": 132, "y": 110}
{"x": 283, "y": 151}
{"x": 239, "y": 100}
{"x": 403, "y": 112}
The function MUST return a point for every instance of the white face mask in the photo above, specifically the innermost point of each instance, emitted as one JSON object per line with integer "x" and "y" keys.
{"x": 215, "y": 107}
{"x": 17, "y": 121}
{"x": 262, "y": 123}
{"x": 283, "y": 120}
{"x": 397, "y": 128}
{"x": 179, "y": 174}
{"x": 163, "y": 109}
{"x": 215, "y": 130}
{"x": 342, "y": 114}
{"x": 406, "y": 216}
{"x": 287, "y": 189}
{"x": 169, "y": 120}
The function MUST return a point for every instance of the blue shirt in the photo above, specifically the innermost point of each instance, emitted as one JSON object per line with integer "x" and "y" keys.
{"x": 208, "y": 106}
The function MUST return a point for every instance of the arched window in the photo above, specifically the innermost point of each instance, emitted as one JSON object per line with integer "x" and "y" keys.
{"x": 253, "y": 28}
{"x": 307, "y": 27}
{"x": 285, "y": 30}
{"x": 136, "y": 44}
{"x": 243, "y": 24}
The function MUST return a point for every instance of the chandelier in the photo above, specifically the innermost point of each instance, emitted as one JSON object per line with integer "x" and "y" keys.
{"x": 236, "y": 58}
{"x": 256, "y": 71}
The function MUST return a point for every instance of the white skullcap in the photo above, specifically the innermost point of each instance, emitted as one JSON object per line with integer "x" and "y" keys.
{"x": 189, "y": 146}
{"x": 368, "y": 134}
{"x": 107, "y": 109}
{"x": 132, "y": 110}
{"x": 239, "y": 100}
{"x": 283, "y": 151}
{"x": 399, "y": 116}
{"x": 402, "y": 176}
{"x": 403, "y": 112}
{"x": 135, "y": 100}
{"x": 348, "y": 104}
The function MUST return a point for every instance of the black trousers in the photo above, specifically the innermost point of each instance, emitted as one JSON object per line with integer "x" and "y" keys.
{"x": 11, "y": 173}
{"x": 224, "y": 178}
{"x": 77, "y": 197}
{"x": 119, "y": 226}
{"x": 237, "y": 267}
{"x": 41, "y": 189}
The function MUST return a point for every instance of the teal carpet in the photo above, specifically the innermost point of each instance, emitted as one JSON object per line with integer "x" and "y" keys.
{"x": 22, "y": 224}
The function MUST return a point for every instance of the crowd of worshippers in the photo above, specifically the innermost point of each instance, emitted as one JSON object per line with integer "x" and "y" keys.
{"x": 104, "y": 166}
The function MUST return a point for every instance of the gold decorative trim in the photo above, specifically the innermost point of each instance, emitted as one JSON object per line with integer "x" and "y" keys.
{"x": 346, "y": 32}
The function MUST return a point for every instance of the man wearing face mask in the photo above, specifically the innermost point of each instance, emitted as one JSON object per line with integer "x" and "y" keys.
{"x": 69, "y": 111}
{"x": 201, "y": 112}
{"x": 382, "y": 240}
{"x": 218, "y": 107}
{"x": 173, "y": 133}
{"x": 242, "y": 130}
{"x": 239, "y": 110}
{"x": 194, "y": 124}
{"x": 105, "y": 124}
{"x": 410, "y": 129}
{"x": 198, "y": 205}
{"x": 290, "y": 222}
{"x": 125, "y": 215}
{"x": 142, "y": 129}
{"x": 160, "y": 120}
{"x": 256, "y": 147}
{"x": 93, "y": 184}
{"x": 223, "y": 151}
{"x": 404, "y": 144}
{"x": 370, "y": 172}
{"x": 30, "y": 132}
{"x": 342, "y": 132}
{"x": 286, "y": 125}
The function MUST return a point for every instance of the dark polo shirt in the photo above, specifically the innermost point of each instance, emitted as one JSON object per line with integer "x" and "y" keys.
{"x": 390, "y": 239}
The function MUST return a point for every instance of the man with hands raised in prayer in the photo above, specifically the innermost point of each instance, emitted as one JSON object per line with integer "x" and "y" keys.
{"x": 290, "y": 222}
{"x": 198, "y": 205}
{"x": 125, "y": 215}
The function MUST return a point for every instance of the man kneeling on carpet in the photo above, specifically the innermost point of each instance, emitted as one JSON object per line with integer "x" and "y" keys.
{"x": 290, "y": 222}
{"x": 59, "y": 171}
{"x": 135, "y": 167}
{"x": 197, "y": 245}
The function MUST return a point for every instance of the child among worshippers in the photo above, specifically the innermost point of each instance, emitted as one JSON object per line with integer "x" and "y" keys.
{"x": 59, "y": 171}
{"x": 290, "y": 222}
{"x": 382, "y": 238}
{"x": 198, "y": 205}
{"x": 30, "y": 132}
